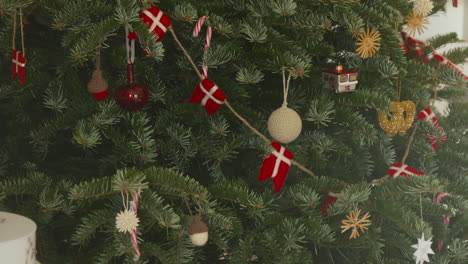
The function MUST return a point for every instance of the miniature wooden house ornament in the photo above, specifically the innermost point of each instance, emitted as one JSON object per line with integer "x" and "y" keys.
{"x": 340, "y": 80}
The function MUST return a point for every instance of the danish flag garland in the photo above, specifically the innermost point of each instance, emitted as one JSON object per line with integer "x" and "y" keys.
{"x": 415, "y": 48}
{"x": 208, "y": 95}
{"x": 400, "y": 169}
{"x": 157, "y": 21}
{"x": 429, "y": 116}
{"x": 276, "y": 166}
{"x": 18, "y": 66}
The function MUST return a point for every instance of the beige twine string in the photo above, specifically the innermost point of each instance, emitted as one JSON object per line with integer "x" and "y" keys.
{"x": 242, "y": 119}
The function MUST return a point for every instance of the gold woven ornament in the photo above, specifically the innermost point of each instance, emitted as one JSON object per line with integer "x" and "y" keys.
{"x": 368, "y": 43}
{"x": 353, "y": 222}
{"x": 401, "y": 120}
{"x": 416, "y": 23}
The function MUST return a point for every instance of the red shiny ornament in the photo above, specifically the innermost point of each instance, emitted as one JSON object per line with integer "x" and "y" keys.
{"x": 131, "y": 96}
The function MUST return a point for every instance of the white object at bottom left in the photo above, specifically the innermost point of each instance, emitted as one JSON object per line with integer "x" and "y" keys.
{"x": 17, "y": 239}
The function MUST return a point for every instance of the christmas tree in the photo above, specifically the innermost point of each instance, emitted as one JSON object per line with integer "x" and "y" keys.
{"x": 111, "y": 178}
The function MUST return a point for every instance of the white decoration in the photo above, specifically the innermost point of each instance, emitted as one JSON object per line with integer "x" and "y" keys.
{"x": 199, "y": 239}
{"x": 423, "y": 7}
{"x": 17, "y": 239}
{"x": 126, "y": 221}
{"x": 442, "y": 106}
{"x": 423, "y": 249}
{"x": 285, "y": 125}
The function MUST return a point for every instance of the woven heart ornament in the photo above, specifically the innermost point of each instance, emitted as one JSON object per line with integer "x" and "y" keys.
{"x": 401, "y": 120}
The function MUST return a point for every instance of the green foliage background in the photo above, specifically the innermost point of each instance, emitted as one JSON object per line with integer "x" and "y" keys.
{"x": 64, "y": 158}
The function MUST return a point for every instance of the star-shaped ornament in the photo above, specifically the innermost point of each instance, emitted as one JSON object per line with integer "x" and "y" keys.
{"x": 423, "y": 249}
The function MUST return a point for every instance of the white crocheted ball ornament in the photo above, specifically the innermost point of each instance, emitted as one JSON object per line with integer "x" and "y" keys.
{"x": 285, "y": 125}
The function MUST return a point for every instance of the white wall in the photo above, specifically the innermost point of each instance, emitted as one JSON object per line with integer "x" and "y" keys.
{"x": 454, "y": 20}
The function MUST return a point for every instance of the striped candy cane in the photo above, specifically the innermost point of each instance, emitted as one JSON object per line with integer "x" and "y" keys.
{"x": 209, "y": 32}
{"x": 133, "y": 234}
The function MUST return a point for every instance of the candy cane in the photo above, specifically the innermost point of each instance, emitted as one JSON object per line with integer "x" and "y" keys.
{"x": 438, "y": 200}
{"x": 209, "y": 32}
{"x": 130, "y": 45}
{"x": 133, "y": 234}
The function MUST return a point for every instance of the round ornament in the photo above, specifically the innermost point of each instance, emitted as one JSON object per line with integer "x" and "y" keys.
{"x": 198, "y": 231}
{"x": 401, "y": 120}
{"x": 131, "y": 96}
{"x": 285, "y": 125}
{"x": 98, "y": 86}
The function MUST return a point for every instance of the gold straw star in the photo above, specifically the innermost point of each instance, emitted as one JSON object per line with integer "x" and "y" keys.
{"x": 416, "y": 23}
{"x": 368, "y": 43}
{"x": 355, "y": 223}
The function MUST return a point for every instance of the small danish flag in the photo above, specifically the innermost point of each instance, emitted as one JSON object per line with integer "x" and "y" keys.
{"x": 276, "y": 166}
{"x": 400, "y": 169}
{"x": 331, "y": 199}
{"x": 18, "y": 66}
{"x": 208, "y": 95}
{"x": 157, "y": 20}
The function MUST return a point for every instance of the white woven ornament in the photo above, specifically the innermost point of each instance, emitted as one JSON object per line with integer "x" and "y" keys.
{"x": 285, "y": 124}
{"x": 126, "y": 221}
{"x": 423, "y": 7}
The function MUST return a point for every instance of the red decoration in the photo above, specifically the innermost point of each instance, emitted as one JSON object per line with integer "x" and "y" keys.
{"x": 276, "y": 166}
{"x": 208, "y": 95}
{"x": 18, "y": 66}
{"x": 157, "y": 21}
{"x": 331, "y": 199}
{"x": 131, "y": 96}
{"x": 415, "y": 48}
{"x": 428, "y": 115}
{"x": 412, "y": 45}
{"x": 441, "y": 59}
{"x": 400, "y": 169}
{"x": 455, "y": 3}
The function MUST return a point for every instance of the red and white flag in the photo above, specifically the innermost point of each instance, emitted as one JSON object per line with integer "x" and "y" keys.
{"x": 276, "y": 166}
{"x": 329, "y": 201}
{"x": 18, "y": 66}
{"x": 400, "y": 169}
{"x": 208, "y": 95}
{"x": 157, "y": 21}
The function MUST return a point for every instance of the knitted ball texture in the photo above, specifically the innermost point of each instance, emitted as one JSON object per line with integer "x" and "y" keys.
{"x": 285, "y": 125}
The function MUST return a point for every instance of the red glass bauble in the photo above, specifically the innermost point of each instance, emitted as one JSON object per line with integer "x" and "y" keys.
{"x": 131, "y": 97}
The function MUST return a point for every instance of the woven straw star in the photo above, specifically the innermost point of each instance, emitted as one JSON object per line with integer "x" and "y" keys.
{"x": 416, "y": 23}
{"x": 352, "y": 221}
{"x": 368, "y": 42}
{"x": 423, "y": 7}
{"x": 126, "y": 221}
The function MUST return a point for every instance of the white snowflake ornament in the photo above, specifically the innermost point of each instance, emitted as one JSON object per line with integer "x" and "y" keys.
{"x": 423, "y": 7}
{"x": 423, "y": 249}
{"x": 126, "y": 221}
